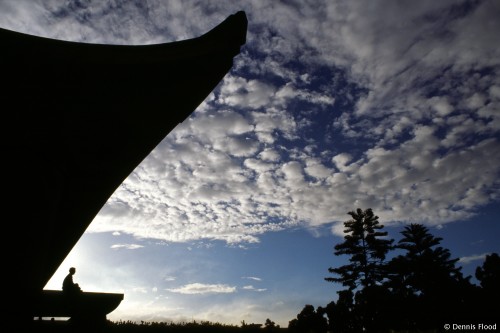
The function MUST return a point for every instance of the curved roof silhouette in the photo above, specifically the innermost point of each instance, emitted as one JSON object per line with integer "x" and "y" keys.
{"x": 77, "y": 119}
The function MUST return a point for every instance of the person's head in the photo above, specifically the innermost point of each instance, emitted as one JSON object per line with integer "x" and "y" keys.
{"x": 72, "y": 270}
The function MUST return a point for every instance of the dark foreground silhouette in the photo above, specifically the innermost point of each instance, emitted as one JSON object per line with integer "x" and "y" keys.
{"x": 77, "y": 119}
{"x": 83, "y": 309}
{"x": 420, "y": 289}
{"x": 69, "y": 287}
{"x": 55, "y": 326}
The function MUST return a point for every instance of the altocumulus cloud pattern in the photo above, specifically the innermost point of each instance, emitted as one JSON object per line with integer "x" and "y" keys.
{"x": 326, "y": 109}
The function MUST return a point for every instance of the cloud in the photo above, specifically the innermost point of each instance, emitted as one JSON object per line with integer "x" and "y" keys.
{"x": 233, "y": 311}
{"x": 290, "y": 92}
{"x": 329, "y": 107}
{"x": 141, "y": 290}
{"x": 219, "y": 197}
{"x": 341, "y": 160}
{"x": 116, "y": 22}
{"x": 127, "y": 246}
{"x": 252, "y": 278}
{"x": 269, "y": 154}
{"x": 468, "y": 259}
{"x": 237, "y": 91}
{"x": 252, "y": 288}
{"x": 201, "y": 288}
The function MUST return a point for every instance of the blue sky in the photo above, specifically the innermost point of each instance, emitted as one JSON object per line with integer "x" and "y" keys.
{"x": 331, "y": 106}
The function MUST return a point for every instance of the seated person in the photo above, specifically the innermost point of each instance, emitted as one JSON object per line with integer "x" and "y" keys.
{"x": 68, "y": 286}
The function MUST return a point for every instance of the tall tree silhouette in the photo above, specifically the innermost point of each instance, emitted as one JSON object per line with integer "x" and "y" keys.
{"x": 488, "y": 276}
{"x": 426, "y": 280}
{"x": 367, "y": 248}
{"x": 425, "y": 264}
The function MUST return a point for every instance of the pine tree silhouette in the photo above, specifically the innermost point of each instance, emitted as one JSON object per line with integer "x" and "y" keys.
{"x": 426, "y": 281}
{"x": 367, "y": 248}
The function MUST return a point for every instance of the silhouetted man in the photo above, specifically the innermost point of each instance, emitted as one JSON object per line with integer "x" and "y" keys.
{"x": 69, "y": 286}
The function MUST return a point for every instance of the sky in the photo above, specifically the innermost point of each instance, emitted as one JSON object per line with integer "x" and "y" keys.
{"x": 330, "y": 106}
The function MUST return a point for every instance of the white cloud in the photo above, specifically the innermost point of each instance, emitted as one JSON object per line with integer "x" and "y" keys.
{"x": 414, "y": 139}
{"x": 271, "y": 123}
{"x": 495, "y": 92}
{"x": 201, "y": 288}
{"x": 235, "y": 202}
{"x": 141, "y": 290}
{"x": 289, "y": 92}
{"x": 127, "y": 246}
{"x": 476, "y": 257}
{"x": 341, "y": 160}
{"x": 237, "y": 91}
{"x": 317, "y": 170}
{"x": 269, "y": 154}
{"x": 252, "y": 278}
{"x": 252, "y": 288}
{"x": 476, "y": 101}
{"x": 441, "y": 105}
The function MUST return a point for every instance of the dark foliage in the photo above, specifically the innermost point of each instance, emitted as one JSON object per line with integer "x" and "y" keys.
{"x": 270, "y": 326}
{"x": 425, "y": 283}
{"x": 309, "y": 320}
{"x": 420, "y": 290}
{"x": 155, "y": 327}
{"x": 489, "y": 277}
{"x": 367, "y": 248}
{"x": 489, "y": 274}
{"x": 341, "y": 315}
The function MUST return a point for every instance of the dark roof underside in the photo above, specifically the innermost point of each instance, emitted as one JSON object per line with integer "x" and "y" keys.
{"x": 78, "y": 118}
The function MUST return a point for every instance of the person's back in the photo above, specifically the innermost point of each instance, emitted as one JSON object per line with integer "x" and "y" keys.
{"x": 68, "y": 285}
